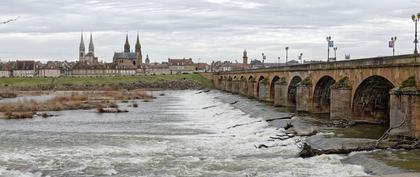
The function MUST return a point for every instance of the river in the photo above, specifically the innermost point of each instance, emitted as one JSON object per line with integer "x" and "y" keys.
{"x": 179, "y": 134}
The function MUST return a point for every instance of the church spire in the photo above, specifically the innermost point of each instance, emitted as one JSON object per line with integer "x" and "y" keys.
{"x": 82, "y": 48}
{"x": 91, "y": 46}
{"x": 138, "y": 45}
{"x": 126, "y": 45}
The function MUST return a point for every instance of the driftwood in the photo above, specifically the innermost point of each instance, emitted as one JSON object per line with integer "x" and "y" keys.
{"x": 234, "y": 102}
{"x": 209, "y": 107}
{"x": 239, "y": 125}
{"x": 281, "y": 118}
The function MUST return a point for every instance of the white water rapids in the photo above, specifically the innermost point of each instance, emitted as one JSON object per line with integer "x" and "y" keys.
{"x": 171, "y": 136}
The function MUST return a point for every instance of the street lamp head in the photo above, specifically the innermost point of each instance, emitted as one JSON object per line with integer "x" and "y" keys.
{"x": 328, "y": 38}
{"x": 413, "y": 17}
{"x": 287, "y": 48}
{"x": 418, "y": 16}
{"x": 335, "y": 48}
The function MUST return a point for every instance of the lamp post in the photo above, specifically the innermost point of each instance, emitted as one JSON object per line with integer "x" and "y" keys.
{"x": 328, "y": 43}
{"x": 335, "y": 53}
{"x": 278, "y": 61}
{"x": 392, "y": 44}
{"x": 287, "y": 54}
{"x": 301, "y": 57}
{"x": 416, "y": 19}
{"x": 263, "y": 59}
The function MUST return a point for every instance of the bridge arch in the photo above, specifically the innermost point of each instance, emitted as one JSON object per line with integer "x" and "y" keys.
{"x": 261, "y": 87}
{"x": 292, "y": 90}
{"x": 322, "y": 94}
{"x": 371, "y": 101}
{"x": 273, "y": 83}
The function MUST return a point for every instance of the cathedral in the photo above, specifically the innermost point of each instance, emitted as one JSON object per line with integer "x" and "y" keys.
{"x": 129, "y": 58}
{"x": 87, "y": 58}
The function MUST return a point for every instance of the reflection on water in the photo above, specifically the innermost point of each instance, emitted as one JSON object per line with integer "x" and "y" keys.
{"x": 180, "y": 134}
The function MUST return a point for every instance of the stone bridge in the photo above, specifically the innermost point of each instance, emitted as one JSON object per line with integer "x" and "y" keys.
{"x": 379, "y": 90}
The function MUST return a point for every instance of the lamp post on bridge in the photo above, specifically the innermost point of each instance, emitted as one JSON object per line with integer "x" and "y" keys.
{"x": 392, "y": 44}
{"x": 330, "y": 44}
{"x": 278, "y": 61}
{"x": 301, "y": 57}
{"x": 416, "y": 19}
{"x": 335, "y": 53}
{"x": 287, "y": 55}
{"x": 263, "y": 59}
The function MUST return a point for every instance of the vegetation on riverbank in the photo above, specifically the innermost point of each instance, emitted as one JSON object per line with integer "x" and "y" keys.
{"x": 166, "y": 81}
{"x": 101, "y": 100}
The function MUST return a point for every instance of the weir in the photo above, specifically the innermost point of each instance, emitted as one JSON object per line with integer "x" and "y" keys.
{"x": 372, "y": 90}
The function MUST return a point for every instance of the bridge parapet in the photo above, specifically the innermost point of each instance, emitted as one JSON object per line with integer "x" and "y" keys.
{"x": 392, "y": 61}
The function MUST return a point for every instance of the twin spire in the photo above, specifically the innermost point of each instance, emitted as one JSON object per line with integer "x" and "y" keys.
{"x": 82, "y": 44}
{"x": 127, "y": 45}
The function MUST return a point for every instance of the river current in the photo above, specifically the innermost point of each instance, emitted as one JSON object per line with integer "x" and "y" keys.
{"x": 179, "y": 134}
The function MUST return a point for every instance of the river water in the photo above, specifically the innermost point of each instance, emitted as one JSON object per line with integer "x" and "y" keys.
{"x": 180, "y": 134}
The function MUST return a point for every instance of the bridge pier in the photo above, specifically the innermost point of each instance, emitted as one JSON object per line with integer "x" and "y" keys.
{"x": 303, "y": 101}
{"x": 280, "y": 93}
{"x": 267, "y": 93}
{"x": 250, "y": 91}
{"x": 340, "y": 108}
{"x": 404, "y": 114}
{"x": 341, "y": 99}
{"x": 261, "y": 91}
{"x": 235, "y": 86}
{"x": 243, "y": 88}
{"x": 223, "y": 85}
{"x": 229, "y": 86}
{"x": 304, "y": 96}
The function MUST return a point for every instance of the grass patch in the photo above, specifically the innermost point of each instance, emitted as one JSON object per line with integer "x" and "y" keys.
{"x": 63, "y": 81}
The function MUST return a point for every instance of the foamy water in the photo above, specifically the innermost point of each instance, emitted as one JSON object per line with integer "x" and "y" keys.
{"x": 180, "y": 134}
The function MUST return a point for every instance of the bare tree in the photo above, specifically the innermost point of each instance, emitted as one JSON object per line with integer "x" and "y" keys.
{"x": 10, "y": 20}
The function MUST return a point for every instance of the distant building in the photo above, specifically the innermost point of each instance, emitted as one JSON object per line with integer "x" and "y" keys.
{"x": 101, "y": 69}
{"x": 128, "y": 58}
{"x": 147, "y": 59}
{"x": 181, "y": 66}
{"x": 49, "y": 71}
{"x": 157, "y": 69}
{"x": 88, "y": 58}
{"x": 227, "y": 66}
{"x": 5, "y": 69}
{"x": 202, "y": 67}
{"x": 24, "y": 69}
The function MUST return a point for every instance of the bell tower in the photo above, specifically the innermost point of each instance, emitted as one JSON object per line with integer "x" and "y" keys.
{"x": 245, "y": 57}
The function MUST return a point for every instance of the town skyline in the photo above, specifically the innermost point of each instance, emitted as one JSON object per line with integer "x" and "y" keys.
{"x": 207, "y": 30}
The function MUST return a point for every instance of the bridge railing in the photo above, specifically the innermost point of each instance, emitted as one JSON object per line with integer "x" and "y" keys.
{"x": 365, "y": 62}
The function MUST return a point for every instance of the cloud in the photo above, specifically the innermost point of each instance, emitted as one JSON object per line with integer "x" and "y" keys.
{"x": 206, "y": 29}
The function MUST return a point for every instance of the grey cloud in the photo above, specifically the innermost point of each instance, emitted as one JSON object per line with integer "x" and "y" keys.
{"x": 207, "y": 29}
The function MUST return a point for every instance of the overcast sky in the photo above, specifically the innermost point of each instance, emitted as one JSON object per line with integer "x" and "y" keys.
{"x": 206, "y": 29}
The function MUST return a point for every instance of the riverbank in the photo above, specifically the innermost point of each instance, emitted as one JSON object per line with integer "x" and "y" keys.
{"x": 165, "y": 82}
{"x": 102, "y": 101}
{"x": 323, "y": 135}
